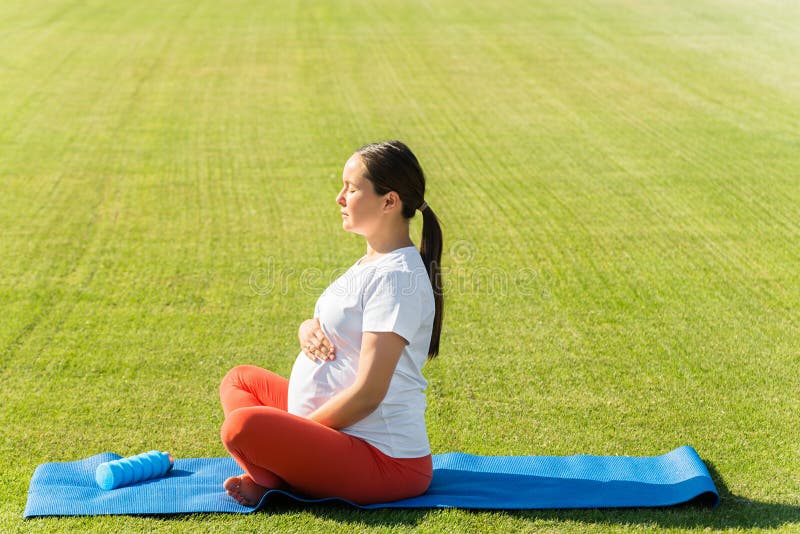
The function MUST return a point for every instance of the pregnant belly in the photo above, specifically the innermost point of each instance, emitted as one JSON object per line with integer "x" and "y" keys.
{"x": 312, "y": 383}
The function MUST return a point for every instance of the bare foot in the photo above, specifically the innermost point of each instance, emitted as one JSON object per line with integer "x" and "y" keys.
{"x": 244, "y": 490}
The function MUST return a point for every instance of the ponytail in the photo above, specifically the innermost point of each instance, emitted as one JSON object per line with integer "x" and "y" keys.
{"x": 431, "y": 251}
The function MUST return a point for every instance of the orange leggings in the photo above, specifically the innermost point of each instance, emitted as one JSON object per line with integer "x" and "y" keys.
{"x": 281, "y": 450}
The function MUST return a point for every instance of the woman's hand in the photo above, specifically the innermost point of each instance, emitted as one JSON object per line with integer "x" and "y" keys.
{"x": 313, "y": 341}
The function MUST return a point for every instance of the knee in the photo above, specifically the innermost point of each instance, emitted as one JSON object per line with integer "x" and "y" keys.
{"x": 247, "y": 425}
{"x": 234, "y": 428}
{"x": 235, "y": 377}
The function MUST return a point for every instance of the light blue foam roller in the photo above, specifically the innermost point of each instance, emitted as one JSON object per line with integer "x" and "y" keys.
{"x": 133, "y": 469}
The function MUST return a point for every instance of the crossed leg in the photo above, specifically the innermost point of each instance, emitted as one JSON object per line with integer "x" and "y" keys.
{"x": 277, "y": 449}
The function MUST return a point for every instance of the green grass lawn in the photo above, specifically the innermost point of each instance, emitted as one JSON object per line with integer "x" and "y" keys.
{"x": 618, "y": 182}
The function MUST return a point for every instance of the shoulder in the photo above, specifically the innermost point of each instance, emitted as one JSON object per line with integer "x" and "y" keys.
{"x": 406, "y": 262}
{"x": 387, "y": 279}
{"x": 407, "y": 290}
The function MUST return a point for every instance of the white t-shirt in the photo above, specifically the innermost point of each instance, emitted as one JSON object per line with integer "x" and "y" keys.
{"x": 390, "y": 294}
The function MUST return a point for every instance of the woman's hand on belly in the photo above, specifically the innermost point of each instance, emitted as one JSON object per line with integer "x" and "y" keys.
{"x": 313, "y": 341}
{"x": 380, "y": 352}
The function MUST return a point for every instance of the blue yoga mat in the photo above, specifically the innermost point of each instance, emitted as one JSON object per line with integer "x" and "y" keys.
{"x": 459, "y": 481}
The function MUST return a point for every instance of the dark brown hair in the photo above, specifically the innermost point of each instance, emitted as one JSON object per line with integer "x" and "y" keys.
{"x": 391, "y": 166}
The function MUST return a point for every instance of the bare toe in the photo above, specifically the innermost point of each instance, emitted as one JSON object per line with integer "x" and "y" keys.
{"x": 250, "y": 492}
{"x": 232, "y": 484}
{"x": 244, "y": 490}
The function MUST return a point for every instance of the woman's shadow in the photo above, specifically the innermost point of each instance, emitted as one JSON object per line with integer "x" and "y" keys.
{"x": 732, "y": 512}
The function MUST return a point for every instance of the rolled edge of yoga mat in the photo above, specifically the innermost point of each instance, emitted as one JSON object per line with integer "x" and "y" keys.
{"x": 126, "y": 471}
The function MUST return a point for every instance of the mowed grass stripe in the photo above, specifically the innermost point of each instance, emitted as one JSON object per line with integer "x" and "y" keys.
{"x": 657, "y": 140}
{"x": 422, "y": 116}
{"x": 579, "y": 229}
{"x": 470, "y": 116}
{"x": 504, "y": 178}
{"x": 73, "y": 169}
{"x": 724, "y": 159}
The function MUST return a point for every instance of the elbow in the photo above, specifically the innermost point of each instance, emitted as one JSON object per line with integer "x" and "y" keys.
{"x": 372, "y": 402}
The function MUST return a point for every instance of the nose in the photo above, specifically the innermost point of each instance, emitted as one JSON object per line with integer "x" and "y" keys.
{"x": 340, "y": 198}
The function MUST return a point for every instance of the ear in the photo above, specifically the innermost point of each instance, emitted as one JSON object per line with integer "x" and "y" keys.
{"x": 391, "y": 200}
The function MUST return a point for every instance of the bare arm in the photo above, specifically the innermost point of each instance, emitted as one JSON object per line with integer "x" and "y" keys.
{"x": 380, "y": 352}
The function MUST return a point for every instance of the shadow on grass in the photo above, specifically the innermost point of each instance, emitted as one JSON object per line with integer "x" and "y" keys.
{"x": 732, "y": 512}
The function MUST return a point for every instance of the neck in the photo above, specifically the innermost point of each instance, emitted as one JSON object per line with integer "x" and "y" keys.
{"x": 388, "y": 241}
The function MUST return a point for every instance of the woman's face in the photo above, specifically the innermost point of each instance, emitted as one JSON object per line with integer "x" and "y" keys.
{"x": 361, "y": 206}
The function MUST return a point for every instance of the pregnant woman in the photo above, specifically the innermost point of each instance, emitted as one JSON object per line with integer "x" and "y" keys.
{"x": 350, "y": 421}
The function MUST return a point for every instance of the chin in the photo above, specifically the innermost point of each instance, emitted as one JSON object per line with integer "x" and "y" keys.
{"x": 349, "y": 228}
